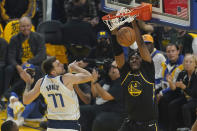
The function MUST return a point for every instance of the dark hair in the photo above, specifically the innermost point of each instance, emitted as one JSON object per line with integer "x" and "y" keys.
{"x": 7, "y": 125}
{"x": 170, "y": 44}
{"x": 47, "y": 65}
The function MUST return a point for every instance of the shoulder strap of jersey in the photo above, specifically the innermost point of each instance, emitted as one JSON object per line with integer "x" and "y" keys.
{"x": 61, "y": 79}
{"x": 154, "y": 53}
{"x": 42, "y": 80}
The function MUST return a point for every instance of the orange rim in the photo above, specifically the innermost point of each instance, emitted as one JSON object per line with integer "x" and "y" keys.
{"x": 137, "y": 10}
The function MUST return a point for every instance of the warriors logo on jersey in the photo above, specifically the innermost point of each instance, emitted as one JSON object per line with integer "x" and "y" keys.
{"x": 134, "y": 88}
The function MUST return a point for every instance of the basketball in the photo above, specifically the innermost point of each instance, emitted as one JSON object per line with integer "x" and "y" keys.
{"x": 126, "y": 36}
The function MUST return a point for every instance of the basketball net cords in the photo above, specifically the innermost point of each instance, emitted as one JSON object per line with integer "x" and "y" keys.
{"x": 122, "y": 19}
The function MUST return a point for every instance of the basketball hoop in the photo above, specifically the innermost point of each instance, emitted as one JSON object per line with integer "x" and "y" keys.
{"x": 114, "y": 20}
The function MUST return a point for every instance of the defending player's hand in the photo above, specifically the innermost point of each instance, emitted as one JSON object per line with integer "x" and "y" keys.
{"x": 95, "y": 75}
{"x": 72, "y": 66}
{"x": 82, "y": 64}
{"x": 26, "y": 77}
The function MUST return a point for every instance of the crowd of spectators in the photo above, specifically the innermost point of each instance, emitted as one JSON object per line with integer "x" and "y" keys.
{"x": 101, "y": 101}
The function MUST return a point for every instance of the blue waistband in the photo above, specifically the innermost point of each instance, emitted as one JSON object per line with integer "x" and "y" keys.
{"x": 64, "y": 124}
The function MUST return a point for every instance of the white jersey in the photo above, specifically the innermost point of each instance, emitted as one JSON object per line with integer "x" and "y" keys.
{"x": 158, "y": 58}
{"x": 62, "y": 103}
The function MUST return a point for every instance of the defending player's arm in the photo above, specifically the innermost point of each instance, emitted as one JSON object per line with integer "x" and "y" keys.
{"x": 98, "y": 89}
{"x": 117, "y": 50}
{"x": 85, "y": 97}
{"x": 93, "y": 90}
{"x": 30, "y": 95}
{"x": 102, "y": 93}
{"x": 144, "y": 53}
{"x": 81, "y": 76}
{"x": 95, "y": 77}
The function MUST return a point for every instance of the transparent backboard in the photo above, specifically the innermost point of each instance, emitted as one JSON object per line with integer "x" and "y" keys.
{"x": 179, "y": 13}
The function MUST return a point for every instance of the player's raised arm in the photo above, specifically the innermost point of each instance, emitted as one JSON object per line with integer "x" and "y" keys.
{"x": 117, "y": 50}
{"x": 30, "y": 95}
{"x": 144, "y": 53}
{"x": 80, "y": 75}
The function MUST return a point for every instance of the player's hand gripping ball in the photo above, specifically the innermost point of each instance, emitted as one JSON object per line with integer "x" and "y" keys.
{"x": 126, "y": 36}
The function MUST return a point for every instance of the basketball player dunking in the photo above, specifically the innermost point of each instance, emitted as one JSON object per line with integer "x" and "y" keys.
{"x": 57, "y": 89}
{"x": 137, "y": 80}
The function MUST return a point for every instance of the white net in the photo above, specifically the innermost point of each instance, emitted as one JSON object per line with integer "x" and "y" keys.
{"x": 122, "y": 17}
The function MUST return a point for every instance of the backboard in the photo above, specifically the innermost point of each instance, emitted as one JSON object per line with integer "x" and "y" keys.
{"x": 176, "y": 13}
